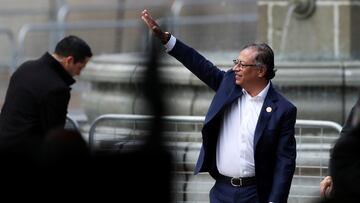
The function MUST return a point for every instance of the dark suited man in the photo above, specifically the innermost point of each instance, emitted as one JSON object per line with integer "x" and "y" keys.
{"x": 37, "y": 97}
{"x": 248, "y": 144}
{"x": 345, "y": 168}
{"x": 344, "y": 162}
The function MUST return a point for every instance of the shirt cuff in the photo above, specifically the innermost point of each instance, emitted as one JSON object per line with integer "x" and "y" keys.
{"x": 170, "y": 44}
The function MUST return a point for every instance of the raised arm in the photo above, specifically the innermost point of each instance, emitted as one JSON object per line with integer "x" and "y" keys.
{"x": 189, "y": 57}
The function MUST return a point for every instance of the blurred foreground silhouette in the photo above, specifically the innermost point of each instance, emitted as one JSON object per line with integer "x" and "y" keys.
{"x": 65, "y": 167}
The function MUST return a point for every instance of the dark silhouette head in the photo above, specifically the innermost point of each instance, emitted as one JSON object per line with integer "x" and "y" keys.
{"x": 75, "y": 47}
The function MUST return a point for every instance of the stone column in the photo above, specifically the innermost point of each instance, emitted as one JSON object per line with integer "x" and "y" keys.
{"x": 329, "y": 32}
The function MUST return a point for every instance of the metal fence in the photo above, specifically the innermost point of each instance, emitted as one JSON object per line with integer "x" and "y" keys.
{"x": 71, "y": 123}
{"x": 12, "y": 47}
{"x": 183, "y": 138}
{"x": 57, "y": 27}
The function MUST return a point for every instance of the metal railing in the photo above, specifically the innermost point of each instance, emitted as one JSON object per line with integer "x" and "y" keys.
{"x": 71, "y": 123}
{"x": 65, "y": 10}
{"x": 11, "y": 38}
{"x": 314, "y": 138}
{"x": 89, "y": 25}
{"x": 131, "y": 23}
{"x": 60, "y": 26}
{"x": 175, "y": 8}
{"x": 318, "y": 123}
{"x": 14, "y": 11}
{"x": 195, "y": 120}
{"x": 132, "y": 117}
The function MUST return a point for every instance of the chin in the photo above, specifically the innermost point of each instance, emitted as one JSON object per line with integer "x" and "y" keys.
{"x": 238, "y": 82}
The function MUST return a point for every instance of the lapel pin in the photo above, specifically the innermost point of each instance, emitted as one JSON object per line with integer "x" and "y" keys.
{"x": 268, "y": 109}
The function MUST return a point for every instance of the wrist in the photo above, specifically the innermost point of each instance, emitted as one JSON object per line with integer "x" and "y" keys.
{"x": 166, "y": 37}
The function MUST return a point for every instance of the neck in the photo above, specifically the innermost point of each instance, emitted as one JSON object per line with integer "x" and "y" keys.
{"x": 61, "y": 60}
{"x": 256, "y": 88}
{"x": 58, "y": 58}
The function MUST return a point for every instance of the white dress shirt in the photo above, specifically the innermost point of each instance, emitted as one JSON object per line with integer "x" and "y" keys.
{"x": 235, "y": 146}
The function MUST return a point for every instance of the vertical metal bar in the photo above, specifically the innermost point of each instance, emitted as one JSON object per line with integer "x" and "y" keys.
{"x": 56, "y": 35}
{"x": 300, "y": 143}
{"x": 321, "y": 150}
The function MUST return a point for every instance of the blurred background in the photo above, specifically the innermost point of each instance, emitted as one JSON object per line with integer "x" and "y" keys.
{"x": 115, "y": 32}
{"x": 316, "y": 45}
{"x": 315, "y": 42}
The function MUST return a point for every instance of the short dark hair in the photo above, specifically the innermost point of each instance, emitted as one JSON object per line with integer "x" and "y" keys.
{"x": 265, "y": 56}
{"x": 73, "y": 46}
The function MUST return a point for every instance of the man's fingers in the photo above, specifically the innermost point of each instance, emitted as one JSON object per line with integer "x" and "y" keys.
{"x": 322, "y": 190}
{"x": 325, "y": 186}
{"x": 151, "y": 23}
{"x": 145, "y": 15}
{"x": 148, "y": 22}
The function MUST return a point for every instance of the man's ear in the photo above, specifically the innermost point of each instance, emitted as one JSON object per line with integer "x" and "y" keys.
{"x": 69, "y": 60}
{"x": 262, "y": 71}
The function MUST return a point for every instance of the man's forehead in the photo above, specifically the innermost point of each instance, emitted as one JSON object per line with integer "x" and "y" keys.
{"x": 248, "y": 53}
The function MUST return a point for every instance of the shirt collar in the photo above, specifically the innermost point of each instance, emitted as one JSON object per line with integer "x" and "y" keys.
{"x": 261, "y": 95}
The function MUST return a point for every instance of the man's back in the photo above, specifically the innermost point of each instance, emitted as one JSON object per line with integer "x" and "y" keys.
{"x": 36, "y": 101}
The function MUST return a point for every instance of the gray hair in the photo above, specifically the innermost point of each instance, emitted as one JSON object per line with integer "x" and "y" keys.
{"x": 265, "y": 56}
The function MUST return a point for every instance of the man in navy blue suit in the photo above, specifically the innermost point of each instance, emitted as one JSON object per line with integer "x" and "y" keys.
{"x": 248, "y": 144}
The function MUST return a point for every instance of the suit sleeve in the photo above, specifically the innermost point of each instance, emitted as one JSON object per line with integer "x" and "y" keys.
{"x": 54, "y": 109}
{"x": 285, "y": 159}
{"x": 198, "y": 65}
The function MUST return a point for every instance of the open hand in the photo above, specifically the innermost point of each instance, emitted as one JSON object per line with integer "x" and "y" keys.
{"x": 153, "y": 26}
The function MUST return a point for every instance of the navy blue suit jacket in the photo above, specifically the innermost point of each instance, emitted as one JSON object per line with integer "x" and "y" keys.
{"x": 274, "y": 141}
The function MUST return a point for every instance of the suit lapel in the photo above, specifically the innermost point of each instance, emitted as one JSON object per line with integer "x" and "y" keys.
{"x": 268, "y": 108}
{"x": 222, "y": 98}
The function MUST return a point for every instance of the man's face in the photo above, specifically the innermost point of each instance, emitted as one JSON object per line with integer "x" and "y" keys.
{"x": 75, "y": 69}
{"x": 245, "y": 68}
